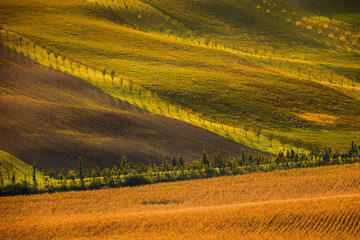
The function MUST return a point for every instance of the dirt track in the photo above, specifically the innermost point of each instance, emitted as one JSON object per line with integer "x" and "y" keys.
{"x": 51, "y": 118}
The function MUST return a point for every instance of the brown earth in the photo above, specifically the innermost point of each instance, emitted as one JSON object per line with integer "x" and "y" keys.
{"x": 51, "y": 118}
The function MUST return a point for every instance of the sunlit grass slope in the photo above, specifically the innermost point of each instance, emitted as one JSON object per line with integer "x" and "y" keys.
{"x": 344, "y": 10}
{"x": 52, "y": 118}
{"x": 317, "y": 203}
{"x": 11, "y": 165}
{"x": 239, "y": 68}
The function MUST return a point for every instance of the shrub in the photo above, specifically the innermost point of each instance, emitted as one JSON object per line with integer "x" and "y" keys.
{"x": 136, "y": 180}
{"x": 17, "y": 189}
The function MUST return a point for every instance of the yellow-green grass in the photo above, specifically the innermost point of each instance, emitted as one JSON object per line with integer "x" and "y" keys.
{"x": 52, "y": 118}
{"x": 165, "y": 108}
{"x": 249, "y": 24}
{"x": 346, "y": 10}
{"x": 10, "y": 165}
{"x": 217, "y": 83}
{"x": 315, "y": 203}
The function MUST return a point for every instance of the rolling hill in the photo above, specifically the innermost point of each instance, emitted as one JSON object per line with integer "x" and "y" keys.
{"x": 103, "y": 79}
{"x": 231, "y": 62}
{"x": 52, "y": 118}
{"x": 317, "y": 203}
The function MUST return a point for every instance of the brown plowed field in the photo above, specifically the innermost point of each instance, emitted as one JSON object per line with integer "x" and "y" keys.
{"x": 52, "y": 118}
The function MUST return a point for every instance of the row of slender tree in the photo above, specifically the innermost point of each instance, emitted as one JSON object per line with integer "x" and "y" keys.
{"x": 128, "y": 173}
{"x": 257, "y": 130}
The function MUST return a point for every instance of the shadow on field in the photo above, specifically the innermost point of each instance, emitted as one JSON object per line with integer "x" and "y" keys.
{"x": 52, "y": 118}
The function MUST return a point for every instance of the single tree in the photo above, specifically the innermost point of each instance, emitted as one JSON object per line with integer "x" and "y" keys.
{"x": 61, "y": 176}
{"x": 222, "y": 123}
{"x": 71, "y": 65}
{"x": 95, "y": 172}
{"x": 112, "y": 74}
{"x": 34, "y": 176}
{"x": 218, "y": 161}
{"x": 123, "y": 165}
{"x": 27, "y": 48}
{"x": 80, "y": 170}
{"x": 321, "y": 71}
{"x": 257, "y": 131}
{"x": 270, "y": 136}
{"x": 51, "y": 174}
{"x": 181, "y": 163}
{"x": 246, "y": 129}
{"x": 79, "y": 66}
{"x": 353, "y": 85}
{"x": 34, "y": 49}
{"x": 87, "y": 71}
{"x": 188, "y": 112}
{"x": 181, "y": 27}
{"x": 148, "y": 96}
{"x": 168, "y": 106}
{"x": 205, "y": 159}
{"x": 174, "y": 162}
{"x": 177, "y": 108}
{"x": 72, "y": 175}
{"x": 139, "y": 92}
{"x": 56, "y": 55}
{"x": 63, "y": 58}
{"x": 106, "y": 173}
{"x": 103, "y": 73}
{"x": 168, "y": 31}
{"x": 13, "y": 178}
{"x": 20, "y": 40}
{"x": 161, "y": 28}
{"x": 131, "y": 83}
{"x": 157, "y": 100}
{"x": 48, "y": 53}
{"x": 8, "y": 167}
{"x": 164, "y": 164}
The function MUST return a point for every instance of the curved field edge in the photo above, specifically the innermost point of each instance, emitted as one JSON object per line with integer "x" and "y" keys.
{"x": 142, "y": 100}
{"x": 318, "y": 203}
{"x": 176, "y": 59}
{"x": 53, "y": 118}
{"x": 154, "y": 104}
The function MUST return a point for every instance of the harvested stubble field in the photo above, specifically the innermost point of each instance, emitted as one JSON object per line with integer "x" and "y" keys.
{"x": 317, "y": 203}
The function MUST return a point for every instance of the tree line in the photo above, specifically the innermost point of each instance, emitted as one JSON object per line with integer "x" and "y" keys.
{"x": 128, "y": 173}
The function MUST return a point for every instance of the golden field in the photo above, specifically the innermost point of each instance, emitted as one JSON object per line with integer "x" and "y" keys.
{"x": 317, "y": 203}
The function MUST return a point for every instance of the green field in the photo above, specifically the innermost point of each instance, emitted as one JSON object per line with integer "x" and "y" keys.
{"x": 12, "y": 167}
{"x": 292, "y": 73}
{"x": 344, "y": 10}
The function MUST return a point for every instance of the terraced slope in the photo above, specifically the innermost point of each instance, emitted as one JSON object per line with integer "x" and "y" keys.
{"x": 52, "y": 118}
{"x": 318, "y": 203}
